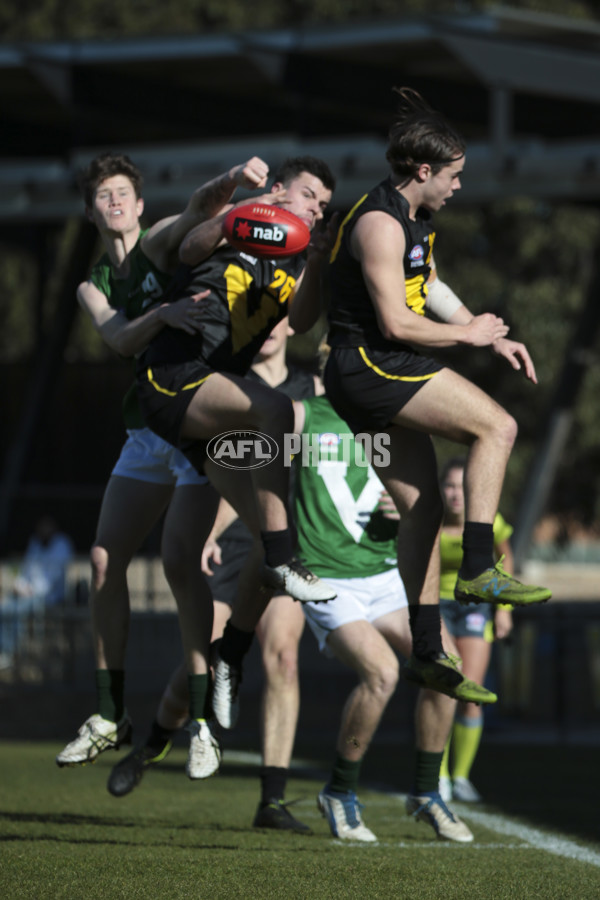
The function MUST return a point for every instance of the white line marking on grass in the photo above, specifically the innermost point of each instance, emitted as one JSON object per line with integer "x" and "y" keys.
{"x": 528, "y": 836}
{"x": 539, "y": 840}
{"x": 433, "y": 844}
{"x": 551, "y": 843}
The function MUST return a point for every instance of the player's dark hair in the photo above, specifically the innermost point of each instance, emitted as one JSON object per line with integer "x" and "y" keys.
{"x": 295, "y": 165}
{"x": 419, "y": 135}
{"x": 455, "y": 462}
{"x": 105, "y": 166}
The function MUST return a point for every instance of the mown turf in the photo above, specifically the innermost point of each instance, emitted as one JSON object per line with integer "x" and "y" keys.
{"x": 64, "y": 836}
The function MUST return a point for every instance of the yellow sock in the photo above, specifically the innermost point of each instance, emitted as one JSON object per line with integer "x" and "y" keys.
{"x": 466, "y": 737}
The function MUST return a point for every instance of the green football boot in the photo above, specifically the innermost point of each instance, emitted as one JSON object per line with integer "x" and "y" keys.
{"x": 497, "y": 586}
{"x": 442, "y": 675}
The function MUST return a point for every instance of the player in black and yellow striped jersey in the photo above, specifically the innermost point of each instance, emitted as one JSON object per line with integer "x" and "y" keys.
{"x": 191, "y": 387}
{"x": 383, "y": 281}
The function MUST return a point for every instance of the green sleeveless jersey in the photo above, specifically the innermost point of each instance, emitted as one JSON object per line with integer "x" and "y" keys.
{"x": 341, "y": 533}
{"x": 131, "y": 296}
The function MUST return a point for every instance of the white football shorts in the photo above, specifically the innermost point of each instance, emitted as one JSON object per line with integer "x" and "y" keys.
{"x": 357, "y": 599}
{"x": 147, "y": 457}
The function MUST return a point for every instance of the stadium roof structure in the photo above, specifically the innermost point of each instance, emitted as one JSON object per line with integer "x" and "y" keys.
{"x": 524, "y": 89}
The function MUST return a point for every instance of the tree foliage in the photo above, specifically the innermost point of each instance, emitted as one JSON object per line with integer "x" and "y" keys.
{"x": 35, "y": 20}
{"x": 531, "y": 262}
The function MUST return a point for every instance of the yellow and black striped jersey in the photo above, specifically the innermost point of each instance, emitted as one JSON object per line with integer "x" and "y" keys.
{"x": 352, "y": 316}
{"x": 248, "y": 297}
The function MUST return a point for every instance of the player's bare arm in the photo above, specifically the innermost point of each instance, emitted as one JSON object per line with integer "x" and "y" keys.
{"x": 162, "y": 241}
{"x": 204, "y": 238}
{"x": 129, "y": 337}
{"x": 306, "y": 303}
{"x": 378, "y": 243}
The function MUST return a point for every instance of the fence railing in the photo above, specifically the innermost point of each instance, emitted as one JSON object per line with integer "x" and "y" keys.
{"x": 547, "y": 674}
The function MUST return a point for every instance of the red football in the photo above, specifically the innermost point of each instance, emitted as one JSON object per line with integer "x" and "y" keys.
{"x": 264, "y": 230}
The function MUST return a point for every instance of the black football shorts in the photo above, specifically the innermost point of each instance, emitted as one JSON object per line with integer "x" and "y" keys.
{"x": 367, "y": 387}
{"x": 165, "y": 391}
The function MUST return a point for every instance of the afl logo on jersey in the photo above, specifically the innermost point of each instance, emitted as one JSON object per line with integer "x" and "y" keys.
{"x": 417, "y": 253}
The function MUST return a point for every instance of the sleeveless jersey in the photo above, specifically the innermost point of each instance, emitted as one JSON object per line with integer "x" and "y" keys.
{"x": 132, "y": 296}
{"x": 451, "y": 554}
{"x": 248, "y": 297}
{"x": 352, "y": 316}
{"x": 341, "y": 534}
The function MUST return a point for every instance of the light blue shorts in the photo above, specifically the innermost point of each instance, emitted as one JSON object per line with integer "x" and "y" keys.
{"x": 358, "y": 599}
{"x": 475, "y": 620}
{"x": 147, "y": 457}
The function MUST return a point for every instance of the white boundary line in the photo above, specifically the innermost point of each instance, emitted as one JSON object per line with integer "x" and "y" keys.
{"x": 529, "y": 837}
{"x": 532, "y": 837}
{"x": 540, "y": 840}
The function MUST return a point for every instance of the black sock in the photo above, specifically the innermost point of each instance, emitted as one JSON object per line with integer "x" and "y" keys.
{"x": 278, "y": 546}
{"x": 427, "y": 771}
{"x": 159, "y": 737}
{"x": 478, "y": 549}
{"x": 425, "y": 626}
{"x": 273, "y": 780}
{"x": 234, "y": 645}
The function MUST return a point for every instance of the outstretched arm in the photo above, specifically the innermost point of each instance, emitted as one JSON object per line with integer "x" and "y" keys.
{"x": 208, "y": 235}
{"x": 130, "y": 337}
{"x": 161, "y": 243}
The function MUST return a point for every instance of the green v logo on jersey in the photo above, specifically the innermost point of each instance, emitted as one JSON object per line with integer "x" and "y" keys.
{"x": 354, "y": 513}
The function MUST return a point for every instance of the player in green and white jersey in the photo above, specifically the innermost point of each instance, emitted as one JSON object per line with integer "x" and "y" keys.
{"x": 347, "y": 535}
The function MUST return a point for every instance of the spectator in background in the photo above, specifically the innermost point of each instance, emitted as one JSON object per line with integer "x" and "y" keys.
{"x": 43, "y": 572}
{"x": 40, "y": 583}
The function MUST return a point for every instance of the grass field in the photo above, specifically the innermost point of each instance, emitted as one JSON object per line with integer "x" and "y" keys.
{"x": 64, "y": 836}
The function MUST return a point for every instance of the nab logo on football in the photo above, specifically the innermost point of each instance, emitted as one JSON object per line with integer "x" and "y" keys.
{"x": 266, "y": 231}
{"x": 254, "y": 232}
{"x": 242, "y": 450}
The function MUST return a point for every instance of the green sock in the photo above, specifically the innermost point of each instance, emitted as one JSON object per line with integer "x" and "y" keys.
{"x": 466, "y": 737}
{"x": 427, "y": 771}
{"x": 345, "y": 774}
{"x": 445, "y": 766}
{"x": 198, "y": 685}
{"x": 110, "y": 691}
